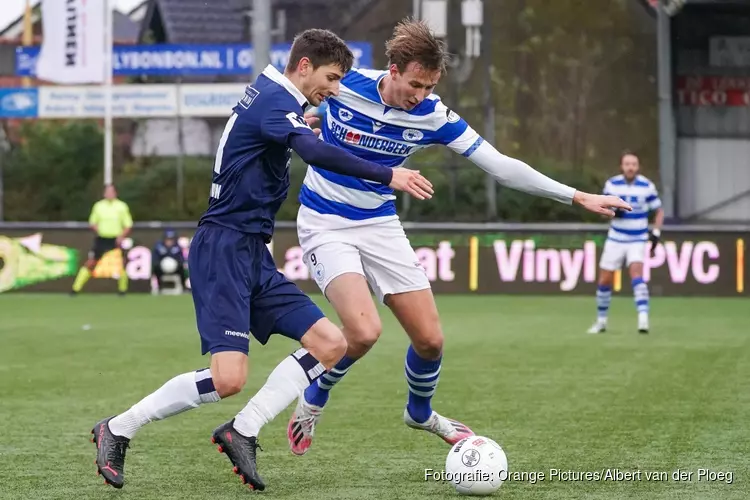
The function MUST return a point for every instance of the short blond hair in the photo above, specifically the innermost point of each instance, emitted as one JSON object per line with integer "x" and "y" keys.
{"x": 414, "y": 41}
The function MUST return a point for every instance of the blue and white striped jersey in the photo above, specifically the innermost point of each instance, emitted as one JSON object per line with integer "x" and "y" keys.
{"x": 358, "y": 121}
{"x": 641, "y": 194}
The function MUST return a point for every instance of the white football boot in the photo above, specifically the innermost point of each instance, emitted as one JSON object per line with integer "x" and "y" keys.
{"x": 599, "y": 327}
{"x": 643, "y": 322}
{"x": 451, "y": 431}
{"x": 301, "y": 426}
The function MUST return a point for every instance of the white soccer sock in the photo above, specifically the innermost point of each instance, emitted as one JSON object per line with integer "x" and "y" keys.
{"x": 180, "y": 394}
{"x": 640, "y": 294}
{"x": 285, "y": 384}
{"x": 603, "y": 299}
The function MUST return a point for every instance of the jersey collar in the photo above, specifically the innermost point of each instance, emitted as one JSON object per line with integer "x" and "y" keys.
{"x": 273, "y": 74}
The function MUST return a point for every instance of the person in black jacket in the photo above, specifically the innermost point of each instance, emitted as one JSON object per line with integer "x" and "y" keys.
{"x": 167, "y": 259}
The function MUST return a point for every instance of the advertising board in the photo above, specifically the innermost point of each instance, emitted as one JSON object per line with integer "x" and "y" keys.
{"x": 699, "y": 263}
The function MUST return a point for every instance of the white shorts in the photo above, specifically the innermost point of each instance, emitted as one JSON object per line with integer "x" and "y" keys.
{"x": 615, "y": 254}
{"x": 380, "y": 252}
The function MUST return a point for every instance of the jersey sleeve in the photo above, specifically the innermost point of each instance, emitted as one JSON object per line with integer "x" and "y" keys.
{"x": 94, "y": 216}
{"x": 652, "y": 199}
{"x": 279, "y": 121}
{"x": 607, "y": 188}
{"x": 455, "y": 132}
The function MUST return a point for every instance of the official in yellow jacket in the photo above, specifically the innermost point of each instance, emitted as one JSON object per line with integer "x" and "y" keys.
{"x": 111, "y": 221}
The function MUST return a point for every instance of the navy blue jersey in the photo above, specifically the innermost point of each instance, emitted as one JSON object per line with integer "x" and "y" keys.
{"x": 251, "y": 171}
{"x": 161, "y": 250}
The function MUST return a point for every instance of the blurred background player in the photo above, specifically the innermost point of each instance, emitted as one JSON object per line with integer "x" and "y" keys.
{"x": 627, "y": 239}
{"x": 111, "y": 221}
{"x": 167, "y": 260}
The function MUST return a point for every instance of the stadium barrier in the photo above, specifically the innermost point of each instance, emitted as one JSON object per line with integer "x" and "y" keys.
{"x": 458, "y": 258}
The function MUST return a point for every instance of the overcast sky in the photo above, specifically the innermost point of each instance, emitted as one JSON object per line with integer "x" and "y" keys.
{"x": 12, "y": 9}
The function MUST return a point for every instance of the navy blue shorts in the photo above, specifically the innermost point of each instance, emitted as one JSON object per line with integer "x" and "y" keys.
{"x": 237, "y": 291}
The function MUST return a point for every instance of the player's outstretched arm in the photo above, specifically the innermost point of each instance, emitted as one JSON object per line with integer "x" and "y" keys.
{"x": 328, "y": 157}
{"x": 518, "y": 175}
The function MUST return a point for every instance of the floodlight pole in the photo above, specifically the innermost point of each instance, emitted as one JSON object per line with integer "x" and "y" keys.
{"x": 108, "y": 48}
{"x": 261, "y": 33}
{"x": 667, "y": 132}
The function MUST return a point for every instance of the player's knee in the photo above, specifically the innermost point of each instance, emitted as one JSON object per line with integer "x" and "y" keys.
{"x": 606, "y": 278}
{"x": 325, "y": 342}
{"x": 363, "y": 334}
{"x": 429, "y": 346}
{"x": 228, "y": 384}
{"x": 636, "y": 270}
{"x": 229, "y": 372}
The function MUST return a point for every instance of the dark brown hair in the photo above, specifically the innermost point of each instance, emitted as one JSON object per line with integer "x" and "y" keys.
{"x": 413, "y": 41}
{"x": 628, "y": 152}
{"x": 322, "y": 47}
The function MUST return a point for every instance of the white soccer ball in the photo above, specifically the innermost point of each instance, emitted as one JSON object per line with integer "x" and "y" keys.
{"x": 476, "y": 466}
{"x": 168, "y": 265}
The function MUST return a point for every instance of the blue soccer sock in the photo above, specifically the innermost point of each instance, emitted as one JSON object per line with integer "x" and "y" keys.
{"x": 317, "y": 393}
{"x": 603, "y": 298}
{"x": 640, "y": 294}
{"x": 422, "y": 376}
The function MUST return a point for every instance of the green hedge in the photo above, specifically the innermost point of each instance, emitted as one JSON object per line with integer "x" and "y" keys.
{"x": 55, "y": 173}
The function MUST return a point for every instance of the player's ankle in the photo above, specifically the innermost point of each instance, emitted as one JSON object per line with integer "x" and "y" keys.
{"x": 419, "y": 413}
{"x": 316, "y": 396}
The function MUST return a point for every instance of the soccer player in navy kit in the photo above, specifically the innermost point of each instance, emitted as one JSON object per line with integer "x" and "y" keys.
{"x": 237, "y": 290}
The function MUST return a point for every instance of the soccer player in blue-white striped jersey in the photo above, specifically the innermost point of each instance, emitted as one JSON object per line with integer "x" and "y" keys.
{"x": 627, "y": 239}
{"x": 352, "y": 237}
{"x": 236, "y": 288}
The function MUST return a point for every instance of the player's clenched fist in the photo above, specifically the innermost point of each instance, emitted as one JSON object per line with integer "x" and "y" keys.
{"x": 600, "y": 204}
{"x": 410, "y": 181}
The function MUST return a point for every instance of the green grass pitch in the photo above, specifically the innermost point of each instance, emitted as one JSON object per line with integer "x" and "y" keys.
{"x": 520, "y": 370}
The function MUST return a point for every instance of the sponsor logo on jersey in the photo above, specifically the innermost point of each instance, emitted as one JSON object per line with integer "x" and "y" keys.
{"x": 233, "y": 333}
{"x": 412, "y": 135}
{"x": 250, "y": 94}
{"x": 345, "y": 115}
{"x": 371, "y": 142}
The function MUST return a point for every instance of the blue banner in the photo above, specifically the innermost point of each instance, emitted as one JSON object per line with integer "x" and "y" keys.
{"x": 19, "y": 103}
{"x": 187, "y": 60}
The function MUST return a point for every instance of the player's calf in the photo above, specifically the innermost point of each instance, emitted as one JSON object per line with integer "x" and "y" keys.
{"x": 285, "y": 384}
{"x": 603, "y": 300}
{"x": 641, "y": 297}
{"x": 361, "y": 334}
{"x": 112, "y": 435}
{"x": 179, "y": 394}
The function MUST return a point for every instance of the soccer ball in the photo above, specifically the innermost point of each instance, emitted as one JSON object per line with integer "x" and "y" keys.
{"x": 476, "y": 466}
{"x": 168, "y": 265}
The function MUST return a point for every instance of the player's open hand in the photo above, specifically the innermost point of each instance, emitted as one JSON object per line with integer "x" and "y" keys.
{"x": 410, "y": 181}
{"x": 313, "y": 121}
{"x": 600, "y": 204}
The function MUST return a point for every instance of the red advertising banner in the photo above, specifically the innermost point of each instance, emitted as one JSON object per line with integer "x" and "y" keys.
{"x": 519, "y": 262}
{"x": 713, "y": 90}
